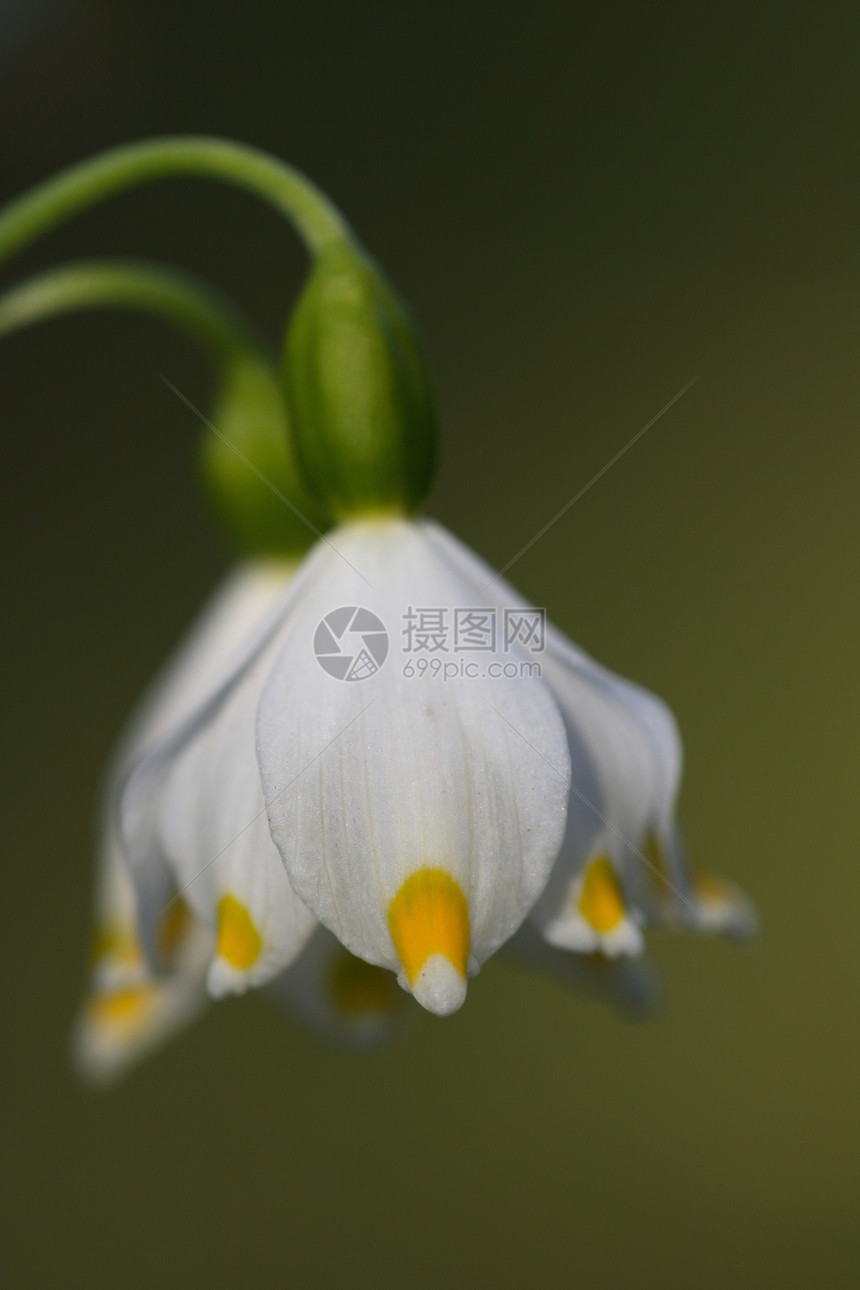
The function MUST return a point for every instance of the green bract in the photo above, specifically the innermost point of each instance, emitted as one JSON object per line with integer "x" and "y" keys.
{"x": 359, "y": 394}
{"x": 249, "y": 469}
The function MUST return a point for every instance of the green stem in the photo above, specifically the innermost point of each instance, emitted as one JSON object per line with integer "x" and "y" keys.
{"x": 317, "y": 220}
{"x": 96, "y": 284}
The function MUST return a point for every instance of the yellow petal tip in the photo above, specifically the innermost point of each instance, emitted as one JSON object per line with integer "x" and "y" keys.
{"x": 601, "y": 902}
{"x": 239, "y": 942}
{"x": 122, "y": 1011}
{"x": 429, "y": 924}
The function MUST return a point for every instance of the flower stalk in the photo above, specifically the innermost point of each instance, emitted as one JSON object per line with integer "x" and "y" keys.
{"x": 355, "y": 376}
{"x": 83, "y": 185}
{"x": 192, "y": 305}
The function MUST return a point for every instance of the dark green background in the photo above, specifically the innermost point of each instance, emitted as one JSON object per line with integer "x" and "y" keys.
{"x": 586, "y": 206}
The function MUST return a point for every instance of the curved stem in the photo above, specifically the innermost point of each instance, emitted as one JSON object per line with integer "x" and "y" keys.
{"x": 316, "y": 218}
{"x": 201, "y": 311}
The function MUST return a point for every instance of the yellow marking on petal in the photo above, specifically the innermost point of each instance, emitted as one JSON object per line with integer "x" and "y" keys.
{"x": 600, "y": 901}
{"x": 429, "y": 915}
{"x": 117, "y": 943}
{"x": 174, "y": 927}
{"x": 359, "y": 989}
{"x": 710, "y": 888}
{"x": 123, "y": 1009}
{"x": 239, "y": 942}
{"x": 658, "y": 866}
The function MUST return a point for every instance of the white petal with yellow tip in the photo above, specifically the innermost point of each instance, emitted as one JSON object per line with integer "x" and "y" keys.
{"x": 191, "y": 812}
{"x": 595, "y": 917}
{"x": 128, "y": 1010}
{"x": 368, "y": 782}
{"x": 625, "y": 757}
{"x": 721, "y": 907}
{"x": 199, "y": 806}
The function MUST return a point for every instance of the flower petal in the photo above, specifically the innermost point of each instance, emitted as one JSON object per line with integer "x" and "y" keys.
{"x": 610, "y": 877}
{"x": 632, "y": 985}
{"x": 625, "y": 769}
{"x": 199, "y": 807}
{"x": 458, "y": 779}
{"x": 718, "y": 906}
{"x": 226, "y": 631}
{"x": 723, "y": 908}
{"x": 217, "y": 639}
{"x": 128, "y": 1010}
{"x": 192, "y": 816}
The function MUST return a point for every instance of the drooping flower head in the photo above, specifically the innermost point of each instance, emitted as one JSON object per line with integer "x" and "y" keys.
{"x": 421, "y": 800}
{"x": 377, "y": 760}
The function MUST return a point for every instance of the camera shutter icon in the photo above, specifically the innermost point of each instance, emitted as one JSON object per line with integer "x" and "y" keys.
{"x": 351, "y": 643}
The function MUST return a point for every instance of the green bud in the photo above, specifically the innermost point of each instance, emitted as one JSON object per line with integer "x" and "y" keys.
{"x": 249, "y": 469}
{"x": 364, "y": 425}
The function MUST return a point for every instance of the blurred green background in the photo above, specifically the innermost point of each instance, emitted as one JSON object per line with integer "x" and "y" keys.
{"x": 586, "y": 206}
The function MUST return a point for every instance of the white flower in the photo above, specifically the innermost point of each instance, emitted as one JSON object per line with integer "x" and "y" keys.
{"x": 421, "y": 816}
{"x": 134, "y": 1004}
{"x": 129, "y": 1009}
